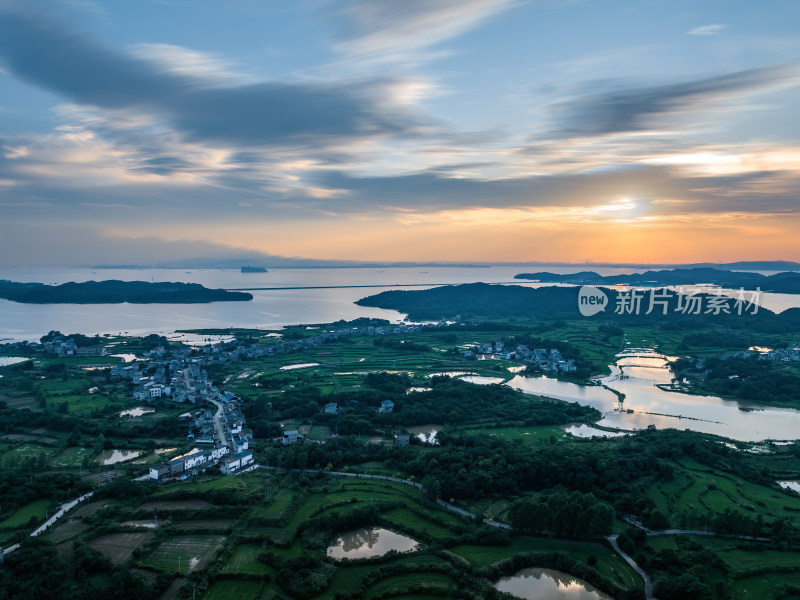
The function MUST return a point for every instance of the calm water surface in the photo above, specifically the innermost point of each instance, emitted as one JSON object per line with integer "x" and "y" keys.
{"x": 270, "y": 309}
{"x": 546, "y": 584}
{"x": 636, "y": 377}
{"x": 426, "y": 433}
{"x": 136, "y": 412}
{"x": 6, "y": 361}
{"x": 112, "y": 457}
{"x": 369, "y": 542}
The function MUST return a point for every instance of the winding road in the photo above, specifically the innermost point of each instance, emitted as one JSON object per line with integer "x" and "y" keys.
{"x": 648, "y": 585}
{"x": 62, "y": 510}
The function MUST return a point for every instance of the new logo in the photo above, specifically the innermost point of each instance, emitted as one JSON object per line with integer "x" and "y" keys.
{"x": 591, "y": 300}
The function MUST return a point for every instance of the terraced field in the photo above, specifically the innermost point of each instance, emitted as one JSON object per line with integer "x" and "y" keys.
{"x": 697, "y": 489}
{"x": 184, "y": 554}
{"x": 754, "y": 575}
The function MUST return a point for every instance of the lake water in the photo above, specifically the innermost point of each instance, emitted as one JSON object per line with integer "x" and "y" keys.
{"x": 482, "y": 380}
{"x": 136, "y": 412}
{"x": 298, "y": 366}
{"x": 426, "y": 433}
{"x": 112, "y": 457}
{"x": 547, "y": 584}
{"x": 6, "y": 361}
{"x": 790, "y": 485}
{"x": 744, "y": 421}
{"x": 369, "y": 542}
{"x": 587, "y": 431}
{"x": 269, "y": 309}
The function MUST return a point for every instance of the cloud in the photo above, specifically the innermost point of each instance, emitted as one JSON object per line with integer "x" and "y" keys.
{"x": 205, "y": 67}
{"x": 707, "y": 30}
{"x": 391, "y": 30}
{"x": 21, "y": 244}
{"x": 185, "y": 95}
{"x": 635, "y": 109}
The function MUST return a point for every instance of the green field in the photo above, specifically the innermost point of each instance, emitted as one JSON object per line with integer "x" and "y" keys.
{"x": 245, "y": 560}
{"x": 279, "y": 504}
{"x": 72, "y": 457}
{"x": 609, "y": 564}
{"x": 184, "y": 554}
{"x": 527, "y": 435}
{"x": 228, "y": 589}
{"x": 37, "y": 508}
{"x": 696, "y": 489}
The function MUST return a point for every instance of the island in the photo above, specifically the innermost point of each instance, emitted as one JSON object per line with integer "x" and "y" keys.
{"x": 495, "y": 301}
{"x": 782, "y": 283}
{"x": 253, "y": 270}
{"x": 115, "y": 292}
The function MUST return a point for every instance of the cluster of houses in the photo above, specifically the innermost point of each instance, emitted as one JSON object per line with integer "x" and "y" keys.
{"x": 200, "y": 460}
{"x": 546, "y": 359}
{"x": 332, "y": 408}
{"x": 179, "y": 378}
{"x": 61, "y": 347}
{"x": 218, "y": 352}
{"x": 788, "y": 354}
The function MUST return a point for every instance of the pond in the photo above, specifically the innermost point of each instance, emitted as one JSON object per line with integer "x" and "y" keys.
{"x": 145, "y": 524}
{"x": 790, "y": 485}
{"x": 587, "y": 431}
{"x": 370, "y": 542}
{"x": 136, "y": 412}
{"x": 638, "y": 374}
{"x": 6, "y": 361}
{"x": 546, "y": 584}
{"x": 298, "y": 366}
{"x": 112, "y": 457}
{"x": 451, "y": 374}
{"x": 426, "y": 433}
{"x": 125, "y": 357}
{"x": 482, "y": 380}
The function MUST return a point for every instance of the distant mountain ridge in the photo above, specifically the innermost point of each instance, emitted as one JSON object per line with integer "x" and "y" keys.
{"x": 486, "y": 301}
{"x": 283, "y": 262}
{"x": 115, "y": 292}
{"x": 784, "y": 283}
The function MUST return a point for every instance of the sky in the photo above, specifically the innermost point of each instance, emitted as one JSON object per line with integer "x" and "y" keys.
{"x": 655, "y": 131}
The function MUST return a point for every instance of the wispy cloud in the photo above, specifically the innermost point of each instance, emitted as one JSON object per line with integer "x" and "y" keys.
{"x": 204, "y": 67}
{"x": 257, "y": 114}
{"x": 391, "y": 30}
{"x": 598, "y": 110}
{"x": 707, "y": 30}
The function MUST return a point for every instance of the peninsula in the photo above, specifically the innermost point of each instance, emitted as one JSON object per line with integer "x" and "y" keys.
{"x": 115, "y": 292}
{"x": 782, "y": 283}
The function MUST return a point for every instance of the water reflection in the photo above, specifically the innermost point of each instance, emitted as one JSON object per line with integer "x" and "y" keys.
{"x": 112, "y": 457}
{"x": 637, "y": 374}
{"x": 136, "y": 412}
{"x": 587, "y": 431}
{"x": 370, "y": 542}
{"x": 546, "y": 584}
{"x": 6, "y": 361}
{"x": 426, "y": 433}
{"x": 482, "y": 380}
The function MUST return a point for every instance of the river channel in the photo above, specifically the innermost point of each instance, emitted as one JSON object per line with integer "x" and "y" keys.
{"x": 637, "y": 373}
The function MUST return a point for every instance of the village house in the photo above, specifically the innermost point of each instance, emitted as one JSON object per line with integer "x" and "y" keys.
{"x": 292, "y": 436}
{"x": 236, "y": 462}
